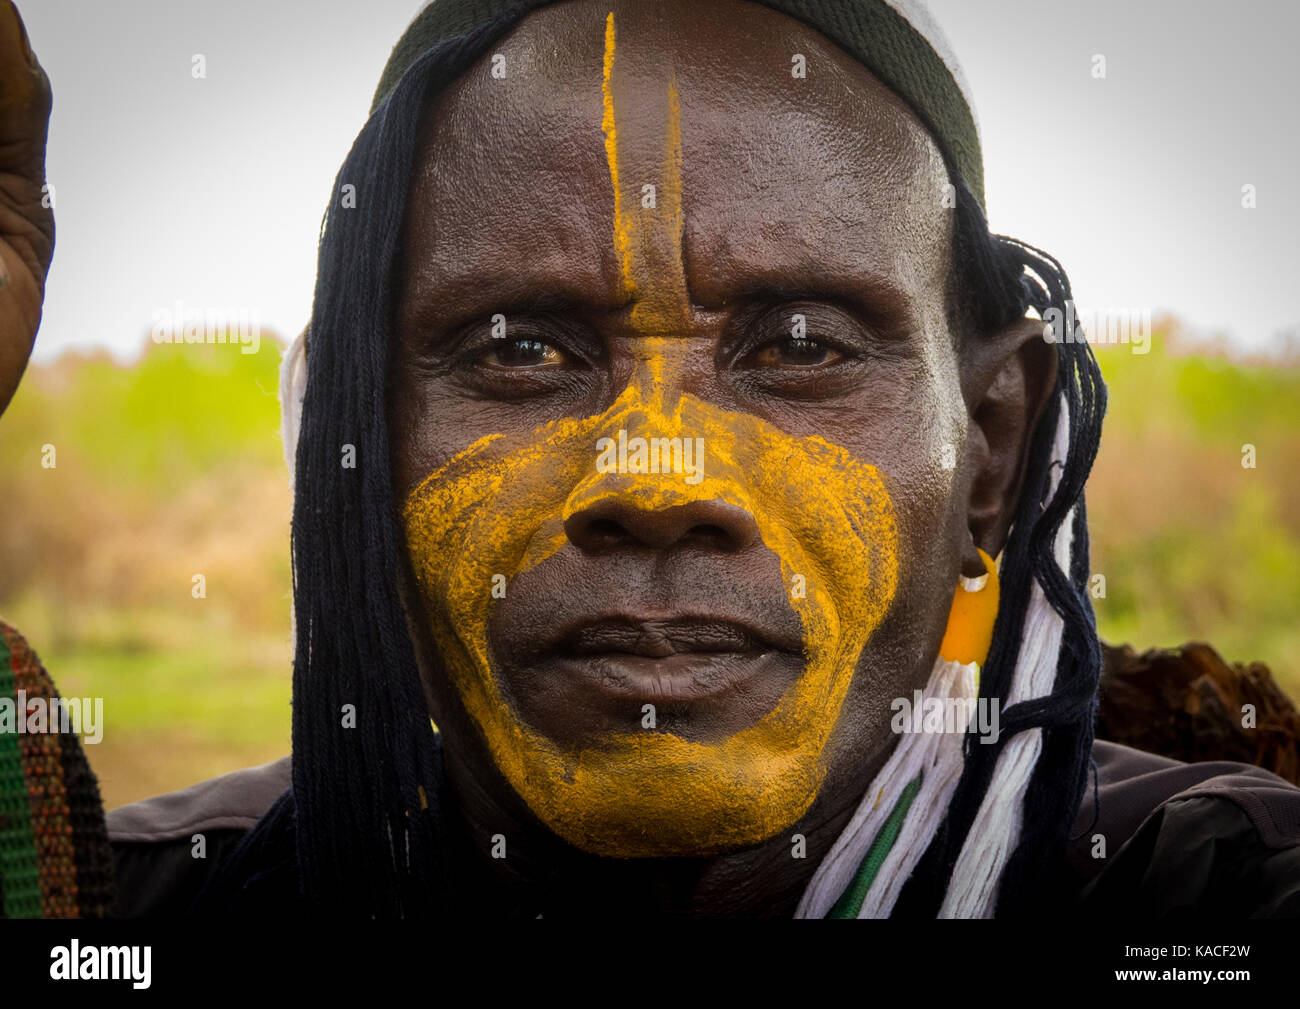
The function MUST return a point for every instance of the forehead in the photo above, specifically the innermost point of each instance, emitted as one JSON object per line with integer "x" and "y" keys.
{"x": 781, "y": 177}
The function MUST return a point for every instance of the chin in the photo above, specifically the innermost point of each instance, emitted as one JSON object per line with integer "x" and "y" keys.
{"x": 655, "y": 795}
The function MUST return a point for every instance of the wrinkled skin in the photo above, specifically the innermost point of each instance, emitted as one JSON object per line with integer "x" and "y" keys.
{"x": 819, "y": 196}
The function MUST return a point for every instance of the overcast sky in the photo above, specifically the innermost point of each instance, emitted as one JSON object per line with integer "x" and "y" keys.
{"x": 211, "y": 191}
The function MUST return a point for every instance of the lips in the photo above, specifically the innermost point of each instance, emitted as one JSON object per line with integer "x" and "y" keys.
{"x": 674, "y": 658}
{"x": 661, "y": 637}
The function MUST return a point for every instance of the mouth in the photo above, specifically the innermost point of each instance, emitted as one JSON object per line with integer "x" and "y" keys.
{"x": 580, "y": 646}
{"x": 668, "y": 658}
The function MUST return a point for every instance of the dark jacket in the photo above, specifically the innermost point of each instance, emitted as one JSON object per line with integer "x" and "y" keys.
{"x": 1171, "y": 841}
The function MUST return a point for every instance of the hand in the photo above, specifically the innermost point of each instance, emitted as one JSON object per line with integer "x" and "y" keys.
{"x": 26, "y": 217}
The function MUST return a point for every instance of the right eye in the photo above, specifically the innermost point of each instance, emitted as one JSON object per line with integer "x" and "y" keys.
{"x": 522, "y": 353}
{"x": 795, "y": 352}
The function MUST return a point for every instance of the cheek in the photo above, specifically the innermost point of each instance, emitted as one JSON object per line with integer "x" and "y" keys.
{"x": 922, "y": 411}
{"x": 899, "y": 657}
{"x": 926, "y": 459}
{"x": 430, "y": 422}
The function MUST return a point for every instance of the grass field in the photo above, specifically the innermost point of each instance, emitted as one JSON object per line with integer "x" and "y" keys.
{"x": 1192, "y": 543}
{"x": 163, "y": 471}
{"x": 172, "y": 468}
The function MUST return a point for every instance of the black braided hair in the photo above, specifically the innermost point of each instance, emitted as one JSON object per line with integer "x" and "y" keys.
{"x": 987, "y": 269}
{"x": 366, "y": 842}
{"x": 366, "y": 832}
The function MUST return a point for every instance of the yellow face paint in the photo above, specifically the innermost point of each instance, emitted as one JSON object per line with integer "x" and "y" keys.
{"x": 647, "y": 239}
{"x": 499, "y": 507}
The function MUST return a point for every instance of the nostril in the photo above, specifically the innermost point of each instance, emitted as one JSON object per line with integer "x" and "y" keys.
{"x": 712, "y": 535}
{"x": 606, "y": 530}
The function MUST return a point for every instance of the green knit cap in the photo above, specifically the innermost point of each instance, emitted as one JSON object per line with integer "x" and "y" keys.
{"x": 897, "y": 40}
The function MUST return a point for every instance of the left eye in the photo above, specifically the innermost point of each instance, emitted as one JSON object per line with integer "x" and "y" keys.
{"x": 522, "y": 353}
{"x": 796, "y": 352}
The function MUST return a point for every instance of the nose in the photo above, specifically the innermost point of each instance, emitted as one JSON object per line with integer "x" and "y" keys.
{"x": 615, "y": 522}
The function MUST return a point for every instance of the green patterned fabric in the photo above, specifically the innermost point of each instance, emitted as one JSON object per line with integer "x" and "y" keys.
{"x": 19, "y": 867}
{"x": 55, "y": 858}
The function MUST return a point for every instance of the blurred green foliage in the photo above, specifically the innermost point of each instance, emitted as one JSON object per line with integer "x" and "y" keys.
{"x": 1192, "y": 544}
{"x": 164, "y": 470}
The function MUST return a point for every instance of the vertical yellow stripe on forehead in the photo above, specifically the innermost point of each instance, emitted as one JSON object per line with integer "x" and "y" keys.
{"x": 610, "y": 128}
{"x": 647, "y": 238}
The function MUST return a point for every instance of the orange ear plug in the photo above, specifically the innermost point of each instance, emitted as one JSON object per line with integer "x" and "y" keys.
{"x": 971, "y": 619}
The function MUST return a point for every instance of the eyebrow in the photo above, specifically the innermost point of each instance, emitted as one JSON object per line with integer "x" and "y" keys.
{"x": 471, "y": 297}
{"x": 874, "y": 299}
{"x": 555, "y": 284}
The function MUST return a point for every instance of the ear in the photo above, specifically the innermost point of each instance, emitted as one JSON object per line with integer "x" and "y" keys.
{"x": 1007, "y": 380}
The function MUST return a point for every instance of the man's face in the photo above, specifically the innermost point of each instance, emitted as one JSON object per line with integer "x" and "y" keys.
{"x": 675, "y": 412}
